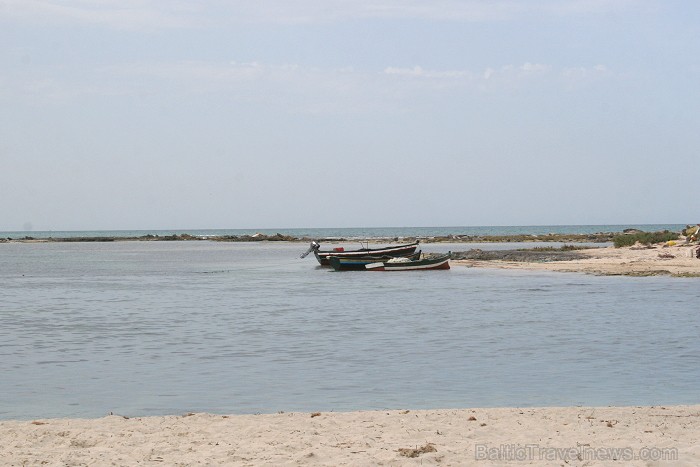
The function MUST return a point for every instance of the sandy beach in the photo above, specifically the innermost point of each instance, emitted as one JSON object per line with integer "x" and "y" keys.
{"x": 676, "y": 261}
{"x": 644, "y": 436}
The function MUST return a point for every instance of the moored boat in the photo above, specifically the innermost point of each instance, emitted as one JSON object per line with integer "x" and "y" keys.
{"x": 359, "y": 263}
{"x": 390, "y": 251}
{"x": 403, "y": 264}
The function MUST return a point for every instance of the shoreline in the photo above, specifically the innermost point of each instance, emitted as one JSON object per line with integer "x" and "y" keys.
{"x": 677, "y": 260}
{"x": 639, "y": 261}
{"x": 673, "y": 259}
{"x": 650, "y": 435}
{"x": 602, "y": 237}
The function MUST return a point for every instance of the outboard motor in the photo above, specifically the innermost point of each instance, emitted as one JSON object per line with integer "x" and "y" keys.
{"x": 313, "y": 247}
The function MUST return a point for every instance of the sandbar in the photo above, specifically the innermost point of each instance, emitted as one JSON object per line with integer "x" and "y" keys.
{"x": 677, "y": 261}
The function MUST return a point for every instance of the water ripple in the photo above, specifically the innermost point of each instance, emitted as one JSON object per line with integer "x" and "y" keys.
{"x": 148, "y": 328}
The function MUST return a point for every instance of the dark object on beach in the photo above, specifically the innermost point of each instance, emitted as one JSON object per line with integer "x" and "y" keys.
{"x": 391, "y": 251}
{"x": 359, "y": 263}
{"x": 405, "y": 264}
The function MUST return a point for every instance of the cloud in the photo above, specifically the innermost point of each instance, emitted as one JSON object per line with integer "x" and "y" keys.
{"x": 574, "y": 76}
{"x": 292, "y": 87}
{"x": 155, "y": 14}
{"x": 506, "y": 78}
{"x": 418, "y": 71}
{"x": 534, "y": 68}
{"x": 116, "y": 14}
{"x": 512, "y": 71}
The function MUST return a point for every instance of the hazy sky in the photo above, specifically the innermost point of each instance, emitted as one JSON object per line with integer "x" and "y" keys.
{"x": 145, "y": 114}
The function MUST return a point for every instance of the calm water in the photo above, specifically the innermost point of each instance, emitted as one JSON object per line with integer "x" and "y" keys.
{"x": 165, "y": 328}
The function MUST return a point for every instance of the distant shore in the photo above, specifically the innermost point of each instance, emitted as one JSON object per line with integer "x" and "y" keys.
{"x": 602, "y": 237}
{"x": 677, "y": 260}
{"x": 637, "y": 436}
{"x": 653, "y": 260}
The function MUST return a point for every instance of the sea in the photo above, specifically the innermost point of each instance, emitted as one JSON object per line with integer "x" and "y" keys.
{"x": 157, "y": 328}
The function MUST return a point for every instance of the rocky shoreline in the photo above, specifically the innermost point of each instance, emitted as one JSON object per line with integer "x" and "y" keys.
{"x": 602, "y": 237}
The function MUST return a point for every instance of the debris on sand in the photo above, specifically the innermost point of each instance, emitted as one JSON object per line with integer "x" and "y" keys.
{"x": 411, "y": 452}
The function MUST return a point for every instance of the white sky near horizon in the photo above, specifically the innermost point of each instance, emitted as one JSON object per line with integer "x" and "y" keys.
{"x": 173, "y": 114}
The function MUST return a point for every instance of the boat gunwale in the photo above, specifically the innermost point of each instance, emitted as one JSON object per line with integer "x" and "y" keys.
{"x": 396, "y": 250}
{"x": 418, "y": 265}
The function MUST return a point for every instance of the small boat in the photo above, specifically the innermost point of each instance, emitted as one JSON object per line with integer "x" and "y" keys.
{"x": 403, "y": 264}
{"x": 359, "y": 263}
{"x": 390, "y": 251}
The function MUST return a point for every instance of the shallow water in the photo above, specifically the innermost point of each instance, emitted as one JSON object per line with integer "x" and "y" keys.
{"x": 165, "y": 328}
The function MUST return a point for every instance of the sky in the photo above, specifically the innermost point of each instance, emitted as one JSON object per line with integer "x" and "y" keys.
{"x": 173, "y": 114}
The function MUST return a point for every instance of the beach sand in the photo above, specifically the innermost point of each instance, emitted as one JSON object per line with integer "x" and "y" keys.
{"x": 571, "y": 436}
{"x": 630, "y": 261}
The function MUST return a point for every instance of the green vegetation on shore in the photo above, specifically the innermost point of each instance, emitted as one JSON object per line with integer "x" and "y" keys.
{"x": 532, "y": 255}
{"x": 645, "y": 238}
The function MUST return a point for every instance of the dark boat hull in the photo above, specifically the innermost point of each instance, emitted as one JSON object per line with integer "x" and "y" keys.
{"x": 359, "y": 263}
{"x": 430, "y": 264}
{"x": 392, "y": 251}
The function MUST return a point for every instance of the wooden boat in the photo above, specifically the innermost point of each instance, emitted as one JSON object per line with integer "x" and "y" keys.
{"x": 390, "y": 251}
{"x": 400, "y": 264}
{"x": 358, "y": 263}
